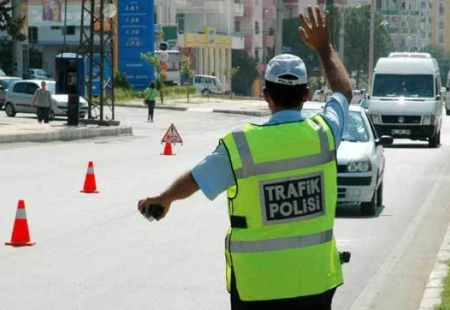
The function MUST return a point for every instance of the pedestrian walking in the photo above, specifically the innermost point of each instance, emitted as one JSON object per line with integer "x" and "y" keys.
{"x": 150, "y": 94}
{"x": 281, "y": 182}
{"x": 42, "y": 100}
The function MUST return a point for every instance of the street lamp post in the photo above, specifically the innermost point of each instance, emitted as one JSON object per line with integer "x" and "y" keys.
{"x": 371, "y": 43}
{"x": 279, "y": 28}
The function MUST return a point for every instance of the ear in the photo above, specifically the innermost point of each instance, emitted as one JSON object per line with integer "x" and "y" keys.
{"x": 305, "y": 95}
{"x": 268, "y": 100}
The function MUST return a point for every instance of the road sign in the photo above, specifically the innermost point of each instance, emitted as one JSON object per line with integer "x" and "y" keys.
{"x": 172, "y": 136}
{"x": 163, "y": 66}
{"x": 163, "y": 56}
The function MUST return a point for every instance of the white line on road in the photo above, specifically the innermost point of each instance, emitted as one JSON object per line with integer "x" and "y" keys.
{"x": 373, "y": 287}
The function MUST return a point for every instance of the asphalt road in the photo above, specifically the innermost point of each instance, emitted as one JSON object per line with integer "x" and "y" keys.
{"x": 96, "y": 251}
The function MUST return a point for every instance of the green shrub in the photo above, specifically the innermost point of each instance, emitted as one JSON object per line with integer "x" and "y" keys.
{"x": 121, "y": 80}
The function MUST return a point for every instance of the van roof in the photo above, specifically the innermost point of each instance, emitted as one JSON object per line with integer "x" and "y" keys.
{"x": 406, "y": 65}
{"x": 413, "y": 55}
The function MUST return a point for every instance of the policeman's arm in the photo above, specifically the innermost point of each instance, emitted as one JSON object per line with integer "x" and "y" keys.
{"x": 183, "y": 187}
{"x": 315, "y": 33}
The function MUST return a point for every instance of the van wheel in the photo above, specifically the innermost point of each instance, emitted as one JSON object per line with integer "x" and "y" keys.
{"x": 206, "y": 92}
{"x": 434, "y": 141}
{"x": 9, "y": 109}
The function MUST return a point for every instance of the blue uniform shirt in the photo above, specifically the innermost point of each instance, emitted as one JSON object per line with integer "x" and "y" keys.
{"x": 214, "y": 173}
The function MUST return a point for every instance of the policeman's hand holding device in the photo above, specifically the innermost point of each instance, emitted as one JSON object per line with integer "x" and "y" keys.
{"x": 151, "y": 211}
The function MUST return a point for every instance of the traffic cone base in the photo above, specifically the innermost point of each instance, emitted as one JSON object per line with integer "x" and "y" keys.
{"x": 90, "y": 186}
{"x": 168, "y": 149}
{"x": 20, "y": 235}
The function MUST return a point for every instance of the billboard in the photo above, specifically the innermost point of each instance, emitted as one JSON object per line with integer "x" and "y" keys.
{"x": 52, "y": 12}
{"x": 135, "y": 23}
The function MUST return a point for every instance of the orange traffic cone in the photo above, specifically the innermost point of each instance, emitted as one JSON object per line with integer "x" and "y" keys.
{"x": 89, "y": 183}
{"x": 20, "y": 235}
{"x": 168, "y": 147}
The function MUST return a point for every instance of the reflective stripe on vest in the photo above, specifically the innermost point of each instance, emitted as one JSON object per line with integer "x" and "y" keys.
{"x": 279, "y": 244}
{"x": 326, "y": 155}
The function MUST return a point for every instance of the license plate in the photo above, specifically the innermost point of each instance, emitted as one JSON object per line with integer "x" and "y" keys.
{"x": 401, "y": 132}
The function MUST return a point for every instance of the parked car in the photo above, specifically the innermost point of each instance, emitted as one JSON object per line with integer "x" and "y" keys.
{"x": 207, "y": 84}
{"x": 360, "y": 159}
{"x": 5, "y": 81}
{"x": 38, "y": 74}
{"x": 20, "y": 95}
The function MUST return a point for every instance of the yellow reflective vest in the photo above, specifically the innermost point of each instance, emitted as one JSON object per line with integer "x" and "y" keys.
{"x": 282, "y": 210}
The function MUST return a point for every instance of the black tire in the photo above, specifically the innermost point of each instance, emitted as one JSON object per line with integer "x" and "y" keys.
{"x": 380, "y": 195}
{"x": 369, "y": 208}
{"x": 434, "y": 141}
{"x": 9, "y": 110}
{"x": 447, "y": 111}
{"x": 206, "y": 92}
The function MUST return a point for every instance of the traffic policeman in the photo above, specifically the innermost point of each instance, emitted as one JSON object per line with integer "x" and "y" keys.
{"x": 281, "y": 186}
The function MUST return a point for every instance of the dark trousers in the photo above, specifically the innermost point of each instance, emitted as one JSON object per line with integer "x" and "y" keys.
{"x": 314, "y": 302}
{"x": 151, "y": 108}
{"x": 42, "y": 114}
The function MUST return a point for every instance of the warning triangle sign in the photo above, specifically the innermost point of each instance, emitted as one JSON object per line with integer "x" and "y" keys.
{"x": 172, "y": 135}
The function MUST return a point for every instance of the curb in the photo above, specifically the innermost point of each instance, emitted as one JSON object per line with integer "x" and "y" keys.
{"x": 66, "y": 134}
{"x": 435, "y": 283}
{"x": 178, "y": 108}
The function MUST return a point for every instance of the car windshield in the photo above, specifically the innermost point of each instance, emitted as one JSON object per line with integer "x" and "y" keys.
{"x": 356, "y": 130}
{"x": 395, "y": 85}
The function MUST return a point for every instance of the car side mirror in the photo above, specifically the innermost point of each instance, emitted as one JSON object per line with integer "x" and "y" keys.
{"x": 385, "y": 141}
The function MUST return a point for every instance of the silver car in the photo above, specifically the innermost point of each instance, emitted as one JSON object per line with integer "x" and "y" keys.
{"x": 20, "y": 95}
{"x": 360, "y": 158}
{"x": 5, "y": 81}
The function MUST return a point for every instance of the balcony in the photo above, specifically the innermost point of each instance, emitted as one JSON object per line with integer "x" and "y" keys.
{"x": 238, "y": 10}
{"x": 238, "y": 42}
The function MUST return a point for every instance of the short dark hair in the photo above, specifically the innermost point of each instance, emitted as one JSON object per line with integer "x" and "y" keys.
{"x": 286, "y": 96}
{"x": 152, "y": 85}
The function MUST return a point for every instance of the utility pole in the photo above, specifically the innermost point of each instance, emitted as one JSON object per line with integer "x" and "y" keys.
{"x": 371, "y": 44}
{"x": 279, "y": 28}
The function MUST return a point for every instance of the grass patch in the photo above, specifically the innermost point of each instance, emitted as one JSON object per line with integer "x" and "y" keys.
{"x": 445, "y": 295}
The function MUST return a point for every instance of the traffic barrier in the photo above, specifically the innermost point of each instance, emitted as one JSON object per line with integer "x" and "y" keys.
{"x": 168, "y": 148}
{"x": 90, "y": 185}
{"x": 20, "y": 234}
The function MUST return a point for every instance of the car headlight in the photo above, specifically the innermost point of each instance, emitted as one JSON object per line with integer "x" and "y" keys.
{"x": 359, "y": 165}
{"x": 376, "y": 118}
{"x": 428, "y": 120}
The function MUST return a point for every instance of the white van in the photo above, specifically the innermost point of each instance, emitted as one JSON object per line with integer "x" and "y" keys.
{"x": 207, "y": 84}
{"x": 447, "y": 97}
{"x": 406, "y": 99}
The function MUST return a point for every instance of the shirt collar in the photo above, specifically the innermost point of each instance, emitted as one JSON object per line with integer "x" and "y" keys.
{"x": 284, "y": 116}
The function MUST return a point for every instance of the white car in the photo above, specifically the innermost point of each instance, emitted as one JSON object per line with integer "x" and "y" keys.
{"x": 20, "y": 95}
{"x": 360, "y": 159}
{"x": 207, "y": 84}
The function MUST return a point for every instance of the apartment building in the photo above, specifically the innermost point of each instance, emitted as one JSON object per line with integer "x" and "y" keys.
{"x": 439, "y": 11}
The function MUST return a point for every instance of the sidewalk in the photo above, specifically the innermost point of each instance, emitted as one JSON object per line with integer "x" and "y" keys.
{"x": 57, "y": 131}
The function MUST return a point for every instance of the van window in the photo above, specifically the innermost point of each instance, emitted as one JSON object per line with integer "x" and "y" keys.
{"x": 396, "y": 85}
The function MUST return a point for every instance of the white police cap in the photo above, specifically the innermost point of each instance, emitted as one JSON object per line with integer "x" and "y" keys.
{"x": 286, "y": 64}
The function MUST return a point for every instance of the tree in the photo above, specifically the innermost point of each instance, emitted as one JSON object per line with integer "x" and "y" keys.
{"x": 13, "y": 26}
{"x": 442, "y": 57}
{"x": 161, "y": 76}
{"x": 187, "y": 73}
{"x": 356, "y": 40}
{"x": 230, "y": 73}
{"x": 247, "y": 73}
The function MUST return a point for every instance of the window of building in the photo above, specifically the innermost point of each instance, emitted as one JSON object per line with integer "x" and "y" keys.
{"x": 33, "y": 34}
{"x": 180, "y": 22}
{"x": 441, "y": 9}
{"x": 441, "y": 39}
{"x": 257, "y": 54}
{"x": 441, "y": 25}
{"x": 256, "y": 27}
{"x": 237, "y": 26}
{"x": 423, "y": 5}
